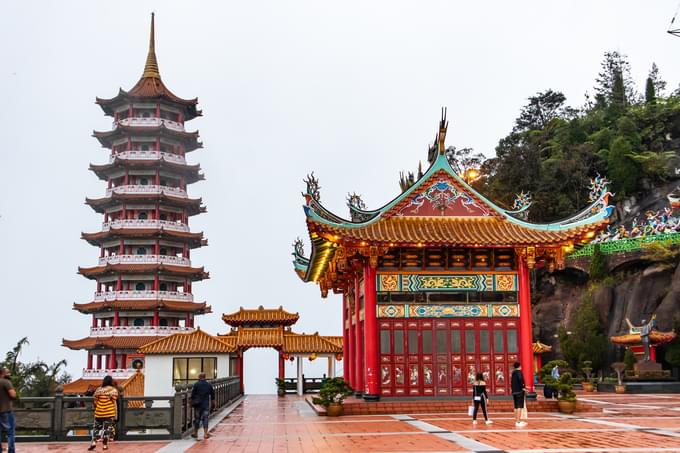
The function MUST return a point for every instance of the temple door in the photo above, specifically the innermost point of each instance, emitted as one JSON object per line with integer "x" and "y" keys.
{"x": 427, "y": 358}
{"x": 442, "y": 356}
{"x": 457, "y": 375}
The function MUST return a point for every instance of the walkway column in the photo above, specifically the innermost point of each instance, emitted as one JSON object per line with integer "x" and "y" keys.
{"x": 282, "y": 366}
{"x": 348, "y": 352}
{"x": 330, "y": 367}
{"x": 300, "y": 390}
{"x": 525, "y": 328}
{"x": 345, "y": 337}
{"x": 332, "y": 359}
{"x": 358, "y": 343}
{"x": 239, "y": 368}
{"x": 372, "y": 387}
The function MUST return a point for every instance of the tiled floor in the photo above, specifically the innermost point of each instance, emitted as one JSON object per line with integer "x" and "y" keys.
{"x": 629, "y": 423}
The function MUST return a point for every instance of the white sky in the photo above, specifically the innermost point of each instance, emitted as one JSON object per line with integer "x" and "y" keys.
{"x": 350, "y": 89}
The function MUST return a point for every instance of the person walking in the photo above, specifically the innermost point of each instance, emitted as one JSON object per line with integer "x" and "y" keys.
{"x": 105, "y": 413}
{"x": 518, "y": 388}
{"x": 202, "y": 400}
{"x": 555, "y": 374}
{"x": 7, "y": 395}
{"x": 479, "y": 398}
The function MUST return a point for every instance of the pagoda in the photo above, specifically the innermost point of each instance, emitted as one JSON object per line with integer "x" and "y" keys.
{"x": 144, "y": 275}
{"x": 435, "y": 284}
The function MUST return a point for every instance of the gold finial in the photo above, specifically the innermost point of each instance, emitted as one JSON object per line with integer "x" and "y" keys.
{"x": 441, "y": 137}
{"x": 151, "y": 66}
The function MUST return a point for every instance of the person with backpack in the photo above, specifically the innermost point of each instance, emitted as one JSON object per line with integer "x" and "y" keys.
{"x": 105, "y": 413}
{"x": 202, "y": 400}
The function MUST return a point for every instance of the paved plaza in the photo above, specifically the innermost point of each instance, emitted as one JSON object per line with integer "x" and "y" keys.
{"x": 628, "y": 423}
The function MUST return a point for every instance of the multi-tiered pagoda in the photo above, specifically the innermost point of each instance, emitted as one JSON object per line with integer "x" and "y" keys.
{"x": 144, "y": 274}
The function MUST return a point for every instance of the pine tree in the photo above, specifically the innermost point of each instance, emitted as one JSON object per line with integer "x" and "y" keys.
{"x": 614, "y": 83}
{"x": 622, "y": 170}
{"x": 650, "y": 92}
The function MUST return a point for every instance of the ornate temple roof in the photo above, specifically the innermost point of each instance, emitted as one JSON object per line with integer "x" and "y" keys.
{"x": 191, "y": 173}
{"x": 116, "y": 342}
{"x": 144, "y": 305}
{"x": 437, "y": 209}
{"x": 189, "y": 139}
{"x": 260, "y": 315}
{"x": 150, "y": 86}
{"x": 306, "y": 344}
{"x": 132, "y": 386}
{"x": 539, "y": 348}
{"x": 190, "y": 343}
{"x": 196, "y": 273}
{"x": 100, "y": 205}
{"x": 193, "y": 239}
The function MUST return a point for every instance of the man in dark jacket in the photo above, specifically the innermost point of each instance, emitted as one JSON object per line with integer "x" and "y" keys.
{"x": 517, "y": 386}
{"x": 202, "y": 399}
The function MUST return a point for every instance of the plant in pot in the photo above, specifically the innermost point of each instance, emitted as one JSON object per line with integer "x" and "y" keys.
{"x": 587, "y": 369}
{"x": 619, "y": 367}
{"x": 566, "y": 399}
{"x": 280, "y": 386}
{"x": 546, "y": 375}
{"x": 332, "y": 394}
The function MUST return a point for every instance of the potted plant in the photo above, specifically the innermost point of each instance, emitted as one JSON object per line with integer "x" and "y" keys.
{"x": 332, "y": 394}
{"x": 566, "y": 399}
{"x": 619, "y": 367}
{"x": 280, "y": 386}
{"x": 587, "y": 369}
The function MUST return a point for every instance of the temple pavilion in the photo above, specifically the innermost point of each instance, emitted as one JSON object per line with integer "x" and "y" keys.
{"x": 144, "y": 273}
{"x": 435, "y": 284}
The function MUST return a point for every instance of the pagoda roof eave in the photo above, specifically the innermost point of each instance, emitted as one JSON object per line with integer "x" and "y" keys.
{"x": 117, "y": 342}
{"x": 196, "y": 273}
{"x": 194, "y": 342}
{"x": 100, "y": 204}
{"x": 108, "y": 105}
{"x": 143, "y": 305}
{"x": 194, "y": 240}
{"x": 260, "y": 315}
{"x": 191, "y": 172}
{"x": 190, "y": 139}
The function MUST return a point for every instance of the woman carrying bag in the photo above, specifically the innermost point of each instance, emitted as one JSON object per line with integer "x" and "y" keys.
{"x": 479, "y": 398}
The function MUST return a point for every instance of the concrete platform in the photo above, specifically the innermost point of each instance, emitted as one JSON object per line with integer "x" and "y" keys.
{"x": 644, "y": 387}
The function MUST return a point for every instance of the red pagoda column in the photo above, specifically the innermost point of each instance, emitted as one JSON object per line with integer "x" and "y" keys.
{"x": 345, "y": 338}
{"x": 358, "y": 343}
{"x": 89, "y": 360}
{"x": 282, "y": 366}
{"x": 525, "y": 329}
{"x": 372, "y": 387}
{"x": 351, "y": 337}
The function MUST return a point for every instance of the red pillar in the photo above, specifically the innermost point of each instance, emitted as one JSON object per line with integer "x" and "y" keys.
{"x": 351, "y": 340}
{"x": 94, "y": 320}
{"x": 652, "y": 353}
{"x": 345, "y": 338}
{"x": 116, "y": 318}
{"x": 358, "y": 343}
{"x": 112, "y": 360}
{"x": 525, "y": 329}
{"x": 89, "y": 360}
{"x": 123, "y": 361}
{"x": 156, "y": 318}
{"x": 282, "y": 366}
{"x": 99, "y": 361}
{"x": 239, "y": 368}
{"x": 372, "y": 387}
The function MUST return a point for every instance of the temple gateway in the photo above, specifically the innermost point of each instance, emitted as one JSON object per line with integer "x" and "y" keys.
{"x": 435, "y": 284}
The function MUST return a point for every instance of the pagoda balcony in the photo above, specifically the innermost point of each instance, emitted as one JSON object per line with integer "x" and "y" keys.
{"x": 118, "y": 373}
{"x": 145, "y": 259}
{"x": 145, "y": 223}
{"x": 148, "y": 155}
{"x": 145, "y": 295}
{"x": 145, "y": 189}
{"x": 137, "y": 331}
{"x": 150, "y": 122}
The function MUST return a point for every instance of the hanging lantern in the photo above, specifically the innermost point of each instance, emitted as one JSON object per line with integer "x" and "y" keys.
{"x": 312, "y": 356}
{"x": 292, "y": 359}
{"x": 286, "y": 356}
{"x": 338, "y": 357}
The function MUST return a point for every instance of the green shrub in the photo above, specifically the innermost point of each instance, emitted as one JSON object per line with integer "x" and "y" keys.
{"x": 333, "y": 390}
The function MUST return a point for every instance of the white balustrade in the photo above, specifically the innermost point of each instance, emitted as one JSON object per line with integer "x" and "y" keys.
{"x": 148, "y": 155}
{"x": 146, "y": 295}
{"x": 145, "y": 223}
{"x": 119, "y": 373}
{"x": 138, "y": 331}
{"x": 149, "y": 122}
{"x": 144, "y": 189}
{"x": 145, "y": 259}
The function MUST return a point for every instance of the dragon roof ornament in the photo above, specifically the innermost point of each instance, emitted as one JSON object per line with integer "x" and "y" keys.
{"x": 520, "y": 205}
{"x": 313, "y": 190}
{"x": 599, "y": 186}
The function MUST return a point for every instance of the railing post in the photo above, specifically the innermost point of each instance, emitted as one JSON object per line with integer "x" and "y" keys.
{"x": 58, "y": 414}
{"x": 177, "y": 406}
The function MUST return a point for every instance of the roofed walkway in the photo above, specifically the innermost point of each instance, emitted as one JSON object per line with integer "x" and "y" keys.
{"x": 629, "y": 423}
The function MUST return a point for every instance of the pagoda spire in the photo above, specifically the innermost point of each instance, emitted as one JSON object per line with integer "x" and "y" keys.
{"x": 151, "y": 66}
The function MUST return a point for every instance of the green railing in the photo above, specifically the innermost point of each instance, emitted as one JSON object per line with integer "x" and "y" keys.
{"x": 625, "y": 245}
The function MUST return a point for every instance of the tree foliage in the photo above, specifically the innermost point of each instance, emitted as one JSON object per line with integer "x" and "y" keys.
{"x": 586, "y": 341}
{"x": 33, "y": 378}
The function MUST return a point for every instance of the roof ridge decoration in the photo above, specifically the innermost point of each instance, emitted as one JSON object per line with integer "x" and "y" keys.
{"x": 151, "y": 66}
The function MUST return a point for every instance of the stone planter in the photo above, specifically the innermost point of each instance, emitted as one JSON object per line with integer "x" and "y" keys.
{"x": 334, "y": 410}
{"x": 281, "y": 392}
{"x": 588, "y": 386}
{"x": 566, "y": 407}
{"x": 620, "y": 388}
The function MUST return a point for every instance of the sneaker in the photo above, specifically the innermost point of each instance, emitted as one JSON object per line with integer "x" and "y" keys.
{"x": 474, "y": 422}
{"x": 488, "y": 422}
{"x": 520, "y": 424}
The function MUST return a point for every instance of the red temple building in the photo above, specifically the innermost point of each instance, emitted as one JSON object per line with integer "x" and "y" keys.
{"x": 435, "y": 284}
{"x": 144, "y": 275}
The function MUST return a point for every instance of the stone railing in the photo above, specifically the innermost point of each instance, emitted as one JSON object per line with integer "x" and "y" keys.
{"x": 137, "y": 331}
{"x": 145, "y": 259}
{"x": 122, "y": 373}
{"x": 148, "y": 155}
{"x": 69, "y": 418}
{"x": 145, "y": 223}
{"x": 147, "y": 295}
{"x": 149, "y": 122}
{"x": 149, "y": 188}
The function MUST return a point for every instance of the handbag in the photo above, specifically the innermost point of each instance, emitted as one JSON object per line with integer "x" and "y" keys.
{"x": 471, "y": 410}
{"x": 523, "y": 413}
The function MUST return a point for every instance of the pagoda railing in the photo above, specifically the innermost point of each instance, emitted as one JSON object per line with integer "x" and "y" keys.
{"x": 149, "y": 122}
{"x": 137, "y": 331}
{"x": 148, "y": 155}
{"x": 145, "y": 223}
{"x": 146, "y": 295}
{"x": 145, "y": 259}
{"x": 123, "y": 373}
{"x": 149, "y": 188}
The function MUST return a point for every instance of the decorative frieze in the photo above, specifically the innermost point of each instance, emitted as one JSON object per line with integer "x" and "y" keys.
{"x": 449, "y": 311}
{"x": 461, "y": 282}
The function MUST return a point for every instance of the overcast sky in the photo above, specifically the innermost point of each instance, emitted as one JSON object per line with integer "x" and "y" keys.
{"x": 350, "y": 89}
